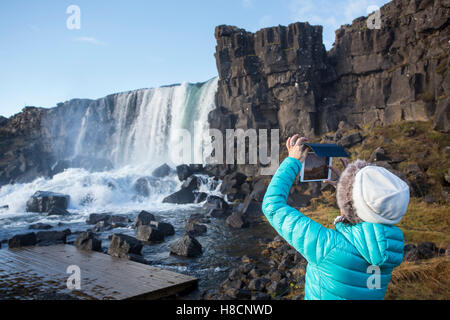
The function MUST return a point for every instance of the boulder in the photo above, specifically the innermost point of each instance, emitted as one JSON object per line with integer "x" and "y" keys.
{"x": 251, "y": 209}
{"x": 143, "y": 219}
{"x": 56, "y": 211}
{"x": 194, "y": 228}
{"x": 182, "y": 196}
{"x": 278, "y": 288}
{"x": 219, "y": 213}
{"x": 113, "y": 220}
{"x": 186, "y": 246}
{"x": 122, "y": 246}
{"x": 39, "y": 226}
{"x": 426, "y": 250}
{"x": 350, "y": 140}
{"x": 102, "y": 226}
{"x": 148, "y": 233}
{"x": 215, "y": 202}
{"x": 88, "y": 241}
{"x": 236, "y": 220}
{"x": 43, "y": 201}
{"x": 258, "y": 284}
{"x": 52, "y": 237}
{"x": 22, "y": 240}
{"x": 234, "y": 186}
{"x": 184, "y": 172}
{"x": 166, "y": 228}
{"x": 259, "y": 189}
{"x": 185, "y": 194}
{"x": 162, "y": 171}
{"x": 94, "y": 218}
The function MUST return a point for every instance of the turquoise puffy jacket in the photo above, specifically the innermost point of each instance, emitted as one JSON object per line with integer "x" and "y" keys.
{"x": 343, "y": 263}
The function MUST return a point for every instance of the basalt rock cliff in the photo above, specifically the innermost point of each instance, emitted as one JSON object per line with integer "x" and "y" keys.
{"x": 282, "y": 77}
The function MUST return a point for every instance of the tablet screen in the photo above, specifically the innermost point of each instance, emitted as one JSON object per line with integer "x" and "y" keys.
{"x": 316, "y": 168}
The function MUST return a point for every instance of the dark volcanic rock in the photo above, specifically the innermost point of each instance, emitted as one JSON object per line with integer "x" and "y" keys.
{"x": 194, "y": 228}
{"x": 144, "y": 218}
{"x": 237, "y": 220}
{"x": 162, "y": 171}
{"x": 52, "y": 237}
{"x": 88, "y": 241}
{"x": 424, "y": 250}
{"x": 278, "y": 288}
{"x": 94, "y": 218}
{"x": 56, "y": 211}
{"x": 122, "y": 246}
{"x": 184, "y": 172}
{"x": 186, "y": 194}
{"x": 215, "y": 202}
{"x": 109, "y": 220}
{"x": 233, "y": 180}
{"x": 148, "y": 233}
{"x": 219, "y": 213}
{"x": 166, "y": 228}
{"x": 186, "y": 246}
{"x": 43, "y": 201}
{"x": 350, "y": 140}
{"x": 40, "y": 226}
{"x": 22, "y": 240}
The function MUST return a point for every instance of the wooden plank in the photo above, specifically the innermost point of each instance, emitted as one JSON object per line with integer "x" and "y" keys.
{"x": 102, "y": 276}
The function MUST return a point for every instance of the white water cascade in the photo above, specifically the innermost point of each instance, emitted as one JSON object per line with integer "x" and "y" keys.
{"x": 134, "y": 131}
{"x": 140, "y": 126}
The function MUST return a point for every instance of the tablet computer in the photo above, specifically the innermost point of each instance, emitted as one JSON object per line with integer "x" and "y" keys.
{"x": 316, "y": 168}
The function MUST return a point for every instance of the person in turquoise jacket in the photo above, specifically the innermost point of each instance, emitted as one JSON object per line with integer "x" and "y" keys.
{"x": 355, "y": 260}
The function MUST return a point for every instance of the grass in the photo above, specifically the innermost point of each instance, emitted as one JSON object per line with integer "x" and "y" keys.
{"x": 424, "y": 280}
{"x": 425, "y": 148}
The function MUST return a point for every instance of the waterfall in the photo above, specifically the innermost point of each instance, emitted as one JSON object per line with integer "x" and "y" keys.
{"x": 136, "y": 127}
{"x": 132, "y": 130}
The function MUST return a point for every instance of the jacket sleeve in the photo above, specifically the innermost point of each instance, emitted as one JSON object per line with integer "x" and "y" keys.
{"x": 308, "y": 237}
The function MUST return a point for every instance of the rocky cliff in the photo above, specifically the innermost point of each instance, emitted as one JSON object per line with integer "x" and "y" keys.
{"x": 282, "y": 77}
{"x": 30, "y": 141}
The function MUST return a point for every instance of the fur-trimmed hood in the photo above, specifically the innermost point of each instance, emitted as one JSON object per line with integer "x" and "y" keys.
{"x": 344, "y": 192}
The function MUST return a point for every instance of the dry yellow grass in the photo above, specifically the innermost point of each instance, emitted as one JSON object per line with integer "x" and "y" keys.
{"x": 423, "y": 280}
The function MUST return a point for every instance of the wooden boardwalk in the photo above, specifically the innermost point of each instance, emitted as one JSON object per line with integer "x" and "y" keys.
{"x": 37, "y": 269}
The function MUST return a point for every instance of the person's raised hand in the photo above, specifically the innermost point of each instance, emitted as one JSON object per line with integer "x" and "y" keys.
{"x": 296, "y": 147}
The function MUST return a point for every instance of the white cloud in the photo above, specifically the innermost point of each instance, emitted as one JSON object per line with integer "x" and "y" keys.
{"x": 90, "y": 40}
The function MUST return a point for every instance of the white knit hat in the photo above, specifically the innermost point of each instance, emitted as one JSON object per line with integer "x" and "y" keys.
{"x": 379, "y": 196}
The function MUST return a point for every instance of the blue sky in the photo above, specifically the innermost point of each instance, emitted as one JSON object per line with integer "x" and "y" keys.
{"x": 126, "y": 45}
